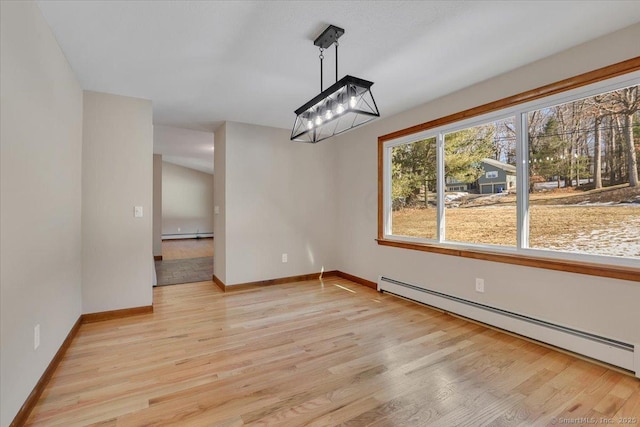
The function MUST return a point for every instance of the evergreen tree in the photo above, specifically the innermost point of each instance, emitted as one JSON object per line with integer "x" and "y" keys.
{"x": 464, "y": 151}
{"x": 413, "y": 172}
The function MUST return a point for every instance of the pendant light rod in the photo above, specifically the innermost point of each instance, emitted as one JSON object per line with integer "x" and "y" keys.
{"x": 336, "y": 43}
{"x": 321, "y": 68}
{"x": 329, "y": 36}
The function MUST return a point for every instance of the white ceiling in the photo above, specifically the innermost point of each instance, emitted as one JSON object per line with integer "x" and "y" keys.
{"x": 204, "y": 62}
{"x": 185, "y": 147}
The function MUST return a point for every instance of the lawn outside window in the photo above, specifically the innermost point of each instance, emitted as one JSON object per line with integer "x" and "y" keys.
{"x": 547, "y": 178}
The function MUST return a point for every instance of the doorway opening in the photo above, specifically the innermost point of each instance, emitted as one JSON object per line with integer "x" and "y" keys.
{"x": 185, "y": 261}
{"x": 183, "y": 205}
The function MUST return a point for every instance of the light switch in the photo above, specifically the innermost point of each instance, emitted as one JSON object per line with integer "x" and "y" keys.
{"x": 216, "y": 210}
{"x": 137, "y": 212}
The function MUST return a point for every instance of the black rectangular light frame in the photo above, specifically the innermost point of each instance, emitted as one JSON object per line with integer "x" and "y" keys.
{"x": 333, "y": 88}
{"x": 342, "y": 84}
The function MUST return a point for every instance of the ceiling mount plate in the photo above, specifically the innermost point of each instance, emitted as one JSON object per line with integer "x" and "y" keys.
{"x": 328, "y": 36}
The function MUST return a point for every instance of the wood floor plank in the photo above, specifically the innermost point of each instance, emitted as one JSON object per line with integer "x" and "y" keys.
{"x": 187, "y": 248}
{"x": 316, "y": 353}
{"x": 630, "y": 409}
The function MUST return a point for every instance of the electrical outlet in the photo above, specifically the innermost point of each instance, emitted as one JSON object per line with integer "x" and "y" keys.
{"x": 36, "y": 337}
{"x": 284, "y": 258}
{"x": 137, "y": 211}
{"x": 179, "y": 229}
{"x": 479, "y": 285}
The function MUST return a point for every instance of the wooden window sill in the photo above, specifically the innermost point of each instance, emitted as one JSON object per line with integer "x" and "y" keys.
{"x": 571, "y": 266}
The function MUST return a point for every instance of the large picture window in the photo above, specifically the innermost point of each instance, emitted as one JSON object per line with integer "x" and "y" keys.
{"x": 583, "y": 173}
{"x": 554, "y": 176}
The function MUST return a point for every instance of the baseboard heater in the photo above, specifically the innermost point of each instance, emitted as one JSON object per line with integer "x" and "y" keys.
{"x": 617, "y": 353}
{"x": 186, "y": 236}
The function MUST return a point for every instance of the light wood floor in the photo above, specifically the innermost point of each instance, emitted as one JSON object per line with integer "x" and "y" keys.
{"x": 187, "y": 248}
{"x": 318, "y": 354}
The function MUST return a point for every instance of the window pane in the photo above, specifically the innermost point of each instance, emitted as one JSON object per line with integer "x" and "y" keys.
{"x": 583, "y": 175}
{"x": 480, "y": 184}
{"x": 413, "y": 188}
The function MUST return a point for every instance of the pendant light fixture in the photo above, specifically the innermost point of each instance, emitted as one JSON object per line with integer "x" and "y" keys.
{"x": 344, "y": 105}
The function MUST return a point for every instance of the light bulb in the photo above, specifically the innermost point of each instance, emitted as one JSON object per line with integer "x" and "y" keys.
{"x": 328, "y": 115}
{"x": 306, "y": 116}
{"x": 340, "y": 109}
{"x": 318, "y": 120}
{"x": 353, "y": 102}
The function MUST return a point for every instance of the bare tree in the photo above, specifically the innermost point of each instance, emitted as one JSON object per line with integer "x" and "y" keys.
{"x": 626, "y": 103}
{"x": 597, "y": 107}
{"x": 572, "y": 120}
{"x": 597, "y": 152}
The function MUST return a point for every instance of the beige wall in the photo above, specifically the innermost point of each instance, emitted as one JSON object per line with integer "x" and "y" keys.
{"x": 219, "y": 203}
{"x": 187, "y": 201}
{"x": 603, "y": 306}
{"x": 117, "y": 175}
{"x": 157, "y": 204}
{"x": 40, "y": 171}
{"x": 280, "y": 198}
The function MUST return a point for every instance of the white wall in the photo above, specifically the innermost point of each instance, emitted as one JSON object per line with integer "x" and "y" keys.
{"x": 603, "y": 306}
{"x": 219, "y": 201}
{"x": 157, "y": 205}
{"x": 187, "y": 201}
{"x": 280, "y": 198}
{"x": 41, "y": 146}
{"x": 117, "y": 174}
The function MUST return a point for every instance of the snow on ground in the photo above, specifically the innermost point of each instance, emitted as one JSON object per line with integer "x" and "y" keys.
{"x": 552, "y": 185}
{"x": 585, "y": 203}
{"x": 450, "y": 197}
{"x": 619, "y": 240}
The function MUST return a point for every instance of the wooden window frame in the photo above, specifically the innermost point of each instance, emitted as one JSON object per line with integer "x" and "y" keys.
{"x": 573, "y": 266}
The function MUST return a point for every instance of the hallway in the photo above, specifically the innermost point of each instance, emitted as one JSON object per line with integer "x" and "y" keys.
{"x": 185, "y": 261}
